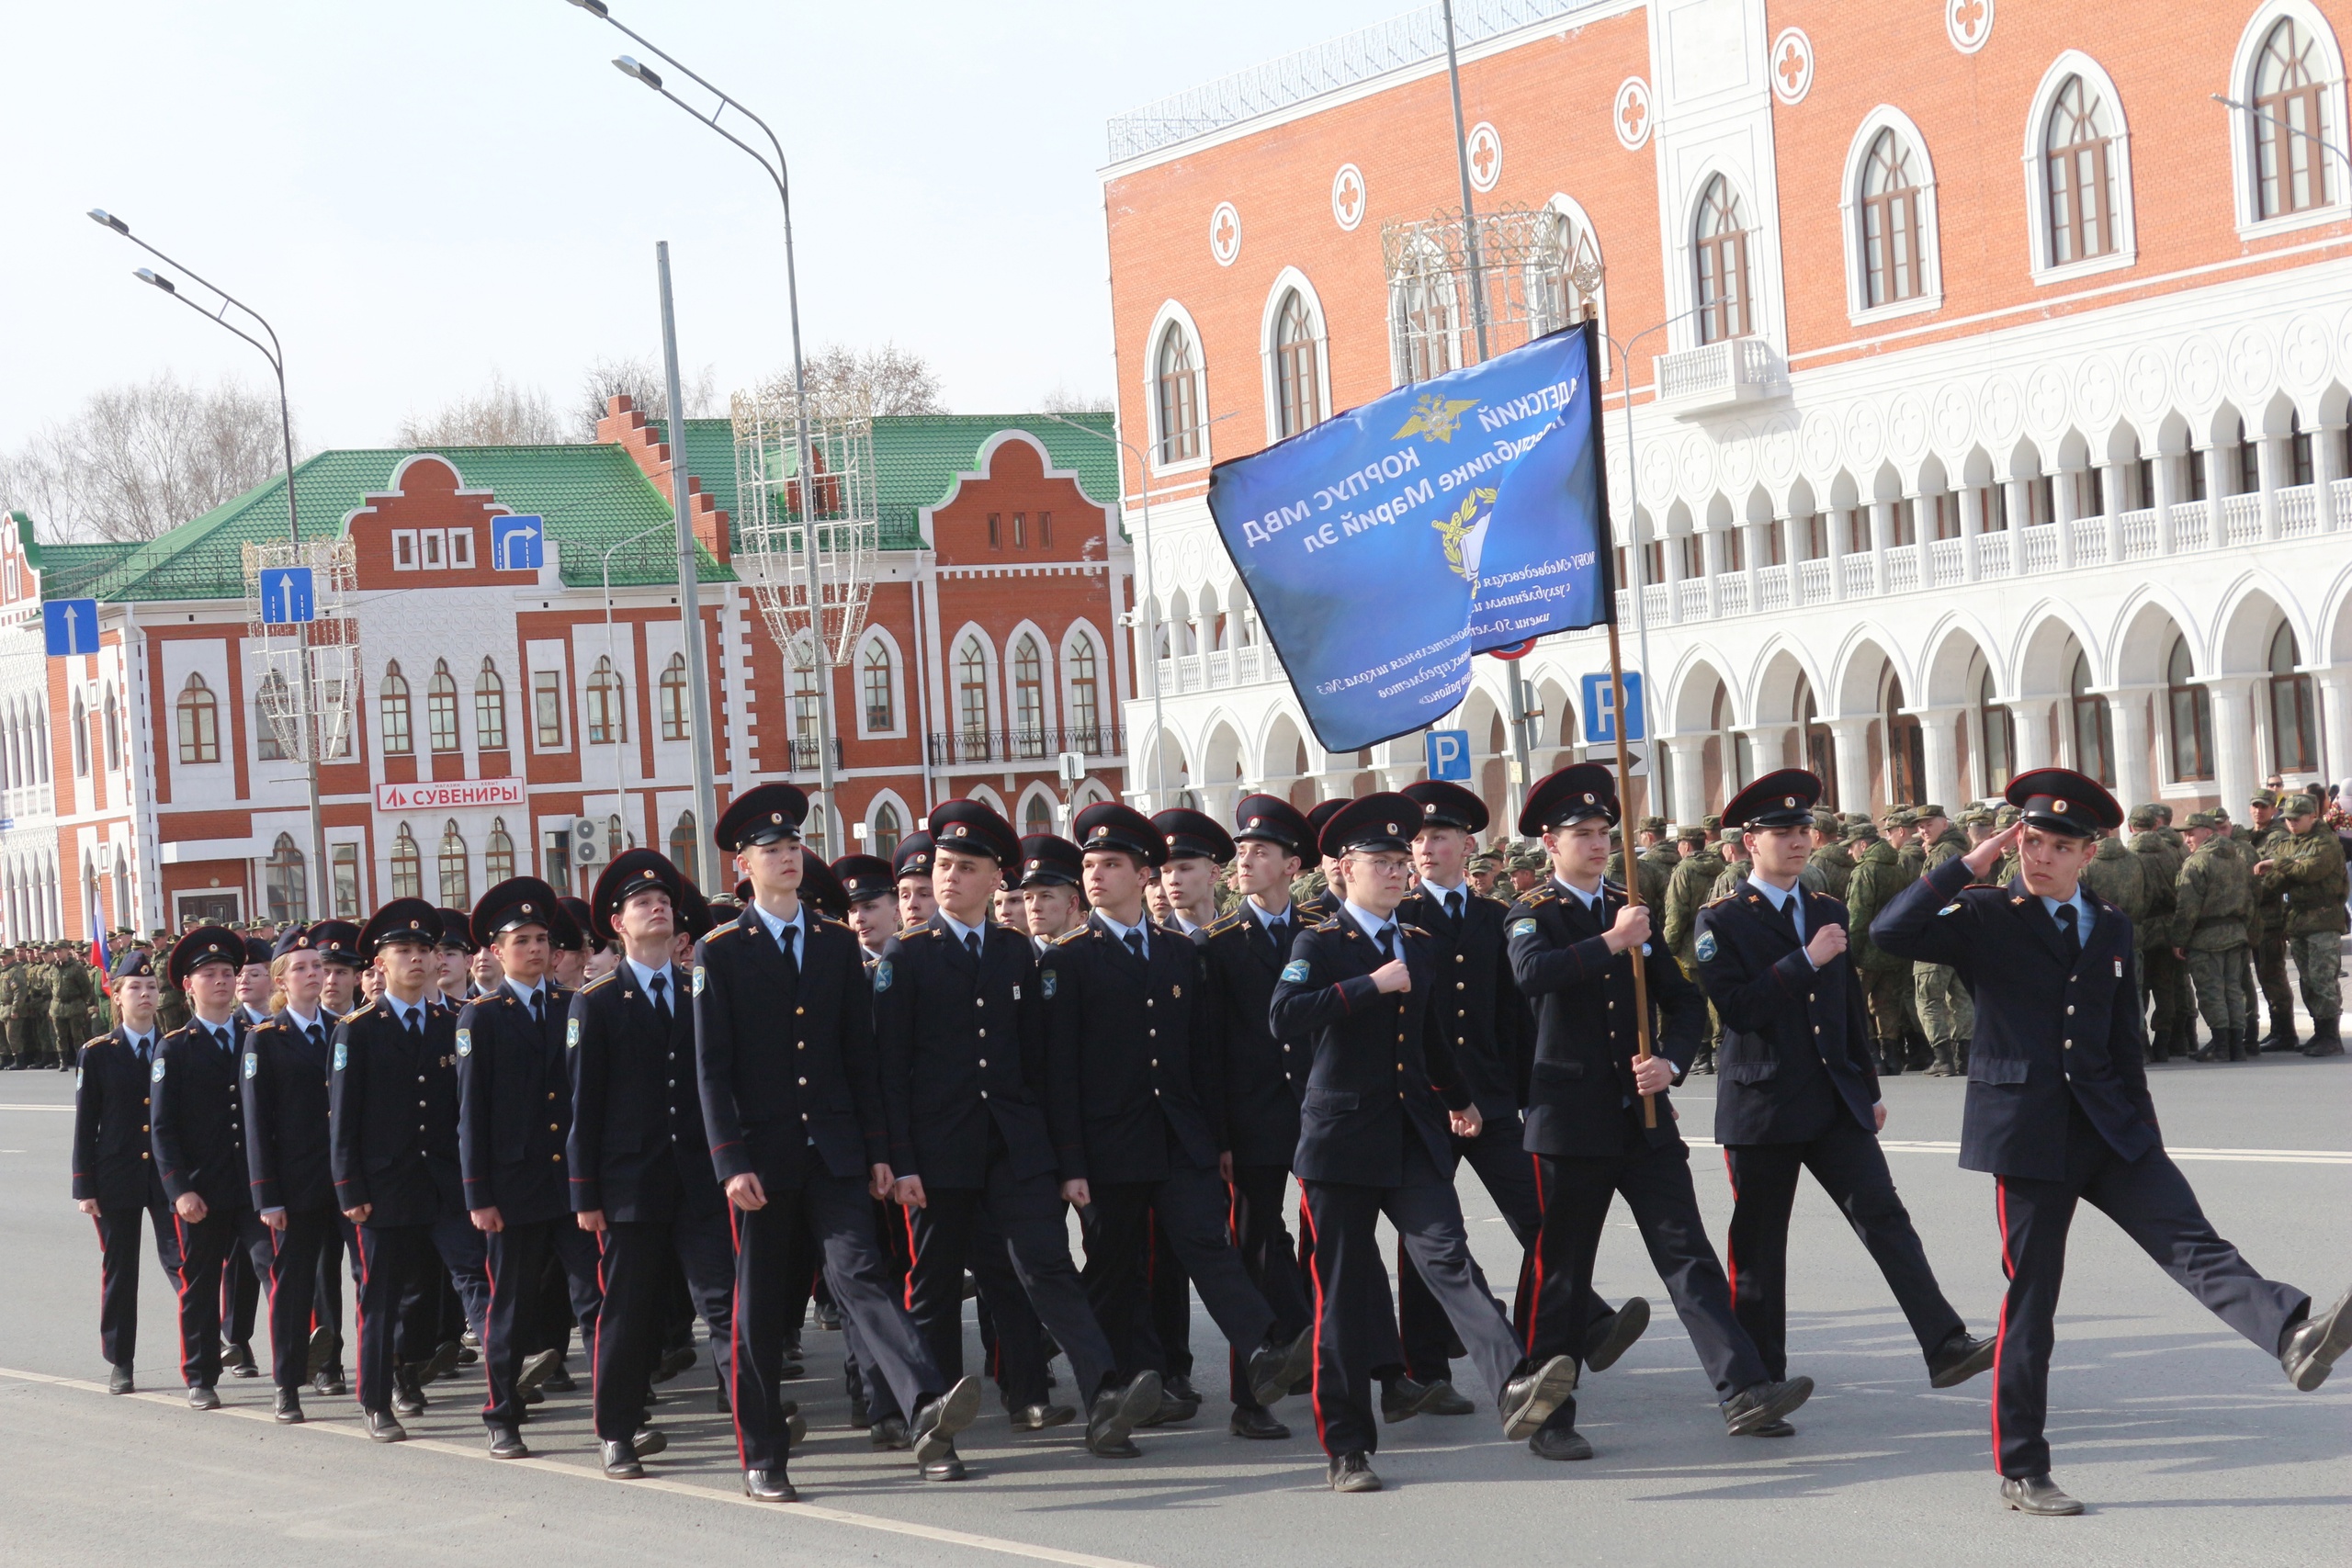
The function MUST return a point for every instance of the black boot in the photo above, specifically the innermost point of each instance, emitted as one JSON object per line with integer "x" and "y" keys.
{"x": 1890, "y": 1058}
{"x": 2324, "y": 1041}
{"x": 2238, "y": 1052}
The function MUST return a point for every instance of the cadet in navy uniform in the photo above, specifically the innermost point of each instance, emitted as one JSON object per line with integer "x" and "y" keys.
{"x": 1320, "y": 907}
{"x": 1136, "y": 1106}
{"x": 1798, "y": 1090}
{"x": 289, "y": 1159}
{"x": 1493, "y": 1032}
{"x": 200, "y": 1147}
{"x": 396, "y": 1173}
{"x": 960, "y": 1020}
{"x": 514, "y": 1115}
{"x": 241, "y": 1281}
{"x": 638, "y": 1158}
{"x": 1264, "y": 1074}
{"x": 114, "y": 1159}
{"x": 337, "y": 942}
{"x": 792, "y": 1095}
{"x": 1381, "y": 1096}
{"x": 2059, "y": 1111}
{"x": 1572, "y": 940}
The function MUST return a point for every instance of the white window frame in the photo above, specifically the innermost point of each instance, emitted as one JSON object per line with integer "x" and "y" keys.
{"x": 1764, "y": 314}
{"x": 461, "y": 549}
{"x": 1174, "y": 314}
{"x": 2244, "y": 127}
{"x": 1581, "y": 224}
{"x": 433, "y": 549}
{"x": 1269, "y": 328}
{"x": 889, "y": 644}
{"x": 547, "y": 658}
{"x": 2074, "y": 62}
{"x": 405, "y": 555}
{"x": 1849, "y": 209}
{"x": 1048, "y": 679}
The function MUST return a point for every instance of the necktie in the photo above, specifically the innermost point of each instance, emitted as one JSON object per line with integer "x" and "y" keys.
{"x": 2068, "y": 936}
{"x": 789, "y": 942}
{"x": 412, "y": 1019}
{"x": 1135, "y": 943}
{"x": 1454, "y": 906}
{"x": 539, "y": 1009}
{"x": 1278, "y": 932}
{"x": 659, "y": 985}
{"x": 972, "y": 945}
{"x": 317, "y": 1037}
{"x": 1387, "y": 943}
{"x": 222, "y": 1038}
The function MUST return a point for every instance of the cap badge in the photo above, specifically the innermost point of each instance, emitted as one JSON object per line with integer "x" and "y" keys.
{"x": 962, "y": 831}
{"x": 1790, "y": 803}
{"x": 1390, "y": 826}
{"x": 1255, "y": 820}
{"x": 2059, "y": 806}
{"x": 526, "y": 908}
{"x": 1587, "y": 797}
{"x": 776, "y": 816}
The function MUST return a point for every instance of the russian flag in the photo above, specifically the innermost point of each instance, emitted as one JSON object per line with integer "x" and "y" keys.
{"x": 101, "y": 959}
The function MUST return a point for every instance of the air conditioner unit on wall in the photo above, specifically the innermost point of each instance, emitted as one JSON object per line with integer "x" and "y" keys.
{"x": 587, "y": 843}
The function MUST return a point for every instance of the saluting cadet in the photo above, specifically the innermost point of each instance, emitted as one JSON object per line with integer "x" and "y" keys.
{"x": 959, "y": 1017}
{"x": 1478, "y": 1007}
{"x": 638, "y": 1158}
{"x": 200, "y": 1147}
{"x": 1573, "y": 942}
{"x": 1381, "y": 1096}
{"x": 1799, "y": 1089}
{"x": 289, "y": 1159}
{"x": 2059, "y": 1111}
{"x": 513, "y": 1116}
{"x": 792, "y": 1095}
{"x": 114, "y": 1159}
{"x": 396, "y": 1172}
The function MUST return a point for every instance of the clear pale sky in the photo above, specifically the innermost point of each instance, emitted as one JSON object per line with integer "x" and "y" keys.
{"x": 419, "y": 193}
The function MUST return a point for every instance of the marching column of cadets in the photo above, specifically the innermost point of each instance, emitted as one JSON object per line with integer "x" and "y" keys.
{"x": 869, "y": 1085}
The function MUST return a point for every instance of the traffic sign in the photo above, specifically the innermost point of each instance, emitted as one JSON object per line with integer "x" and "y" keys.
{"x": 70, "y": 627}
{"x": 287, "y": 597}
{"x": 1600, "y": 709}
{"x": 1449, "y": 754}
{"x": 517, "y": 542}
{"x": 1516, "y": 650}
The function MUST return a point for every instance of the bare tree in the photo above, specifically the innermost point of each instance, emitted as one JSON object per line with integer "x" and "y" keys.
{"x": 1062, "y": 400}
{"x": 645, "y": 384}
{"x": 844, "y": 383}
{"x": 141, "y": 458}
{"x": 499, "y": 415}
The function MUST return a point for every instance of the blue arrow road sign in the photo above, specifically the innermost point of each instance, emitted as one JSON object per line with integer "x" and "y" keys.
{"x": 1449, "y": 751}
{"x": 1600, "y": 709}
{"x": 286, "y": 596}
{"x": 517, "y": 543}
{"x": 71, "y": 626}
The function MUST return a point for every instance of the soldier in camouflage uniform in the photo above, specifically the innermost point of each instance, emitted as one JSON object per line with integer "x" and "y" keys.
{"x": 2116, "y": 874}
{"x": 2265, "y": 925}
{"x": 1886, "y": 979}
{"x": 2160, "y": 971}
{"x": 70, "y": 1002}
{"x": 2308, "y": 868}
{"x": 1947, "y": 1015}
{"x": 1685, "y": 894}
{"x": 1977, "y": 823}
{"x": 1732, "y": 844}
{"x": 1900, "y": 826}
{"x": 32, "y": 1006}
{"x": 2006, "y": 872}
{"x": 1829, "y": 867}
{"x": 12, "y": 969}
{"x": 2208, "y": 928}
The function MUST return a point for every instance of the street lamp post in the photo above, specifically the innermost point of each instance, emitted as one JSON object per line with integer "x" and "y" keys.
{"x": 2260, "y": 113}
{"x": 275, "y": 354}
{"x": 700, "y": 720}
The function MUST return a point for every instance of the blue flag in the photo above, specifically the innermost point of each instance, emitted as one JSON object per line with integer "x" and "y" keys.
{"x": 1388, "y": 544}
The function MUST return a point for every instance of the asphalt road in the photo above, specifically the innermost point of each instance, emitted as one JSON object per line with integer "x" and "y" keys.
{"x": 2185, "y": 1439}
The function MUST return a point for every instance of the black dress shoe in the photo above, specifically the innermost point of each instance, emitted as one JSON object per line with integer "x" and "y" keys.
{"x": 560, "y": 1381}
{"x": 1613, "y": 1336}
{"x": 2313, "y": 1348}
{"x": 890, "y": 1433}
{"x": 1117, "y": 1412}
{"x": 505, "y": 1442}
{"x": 1403, "y": 1398}
{"x": 945, "y": 1466}
{"x": 1276, "y": 1366}
{"x": 1528, "y": 1399}
{"x": 1179, "y": 1402}
{"x": 1257, "y": 1422}
{"x": 408, "y": 1399}
{"x": 1959, "y": 1358}
{"x": 1769, "y": 1430}
{"x": 289, "y": 1410}
{"x": 443, "y": 1361}
{"x": 675, "y": 1360}
{"x": 796, "y": 1363}
{"x": 1764, "y": 1403}
{"x": 201, "y": 1397}
{"x": 1353, "y": 1472}
{"x": 2037, "y": 1494}
{"x": 321, "y": 1352}
{"x": 861, "y": 1414}
{"x": 385, "y": 1428}
{"x": 330, "y": 1384}
{"x": 537, "y": 1369}
{"x": 769, "y": 1486}
{"x": 648, "y": 1442}
{"x": 621, "y": 1460}
{"x": 239, "y": 1362}
{"x": 1560, "y": 1439}
{"x": 938, "y": 1420}
{"x": 119, "y": 1381}
{"x": 1037, "y": 1417}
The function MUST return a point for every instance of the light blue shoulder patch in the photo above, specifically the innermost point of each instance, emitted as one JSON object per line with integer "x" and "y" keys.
{"x": 881, "y": 975}
{"x": 570, "y": 1033}
{"x": 252, "y": 1063}
{"x": 1294, "y": 971}
{"x": 156, "y": 1075}
{"x": 697, "y": 979}
{"x": 465, "y": 1043}
{"x": 1706, "y": 948}
{"x": 1951, "y": 908}
{"x": 342, "y": 1054}
{"x": 1047, "y": 984}
{"x": 1524, "y": 927}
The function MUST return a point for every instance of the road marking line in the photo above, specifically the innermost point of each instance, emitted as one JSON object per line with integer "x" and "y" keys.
{"x": 2235, "y": 1157}
{"x": 346, "y": 1429}
{"x": 36, "y": 1107}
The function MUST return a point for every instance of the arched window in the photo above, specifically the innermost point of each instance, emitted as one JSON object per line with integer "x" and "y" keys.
{"x": 881, "y": 698}
{"x": 497, "y": 853}
{"x": 972, "y": 696}
{"x": 1298, "y": 395}
{"x": 1038, "y": 816}
{"x": 393, "y": 700}
{"x": 1029, "y": 697}
{"x": 1424, "y": 316}
{"x": 199, "y": 722}
{"x": 113, "y": 733}
{"x": 605, "y": 708}
{"x": 441, "y": 708}
{"x": 1999, "y": 727}
{"x": 806, "y": 705}
{"x": 1906, "y": 749}
{"x": 1820, "y": 752}
{"x": 677, "y": 722}
{"x": 1085, "y": 697}
{"x": 887, "y": 832}
{"x": 2294, "y": 737}
{"x": 2290, "y": 122}
{"x": 613, "y": 840}
{"x": 272, "y": 696}
{"x": 408, "y": 866}
{"x": 1177, "y": 410}
{"x": 2077, "y": 154}
{"x": 1719, "y": 246}
{"x": 1892, "y": 269}
{"x": 455, "y": 885}
{"x": 2094, "y": 726}
{"x": 489, "y": 708}
{"x": 2193, "y": 715}
{"x": 683, "y": 843}
{"x": 81, "y": 737}
{"x": 285, "y": 881}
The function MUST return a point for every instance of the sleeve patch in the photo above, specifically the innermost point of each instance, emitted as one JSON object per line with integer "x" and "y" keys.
{"x": 252, "y": 1063}
{"x": 570, "y": 1033}
{"x": 698, "y": 972}
{"x": 1524, "y": 927}
{"x": 156, "y": 1075}
{"x": 1951, "y": 908}
{"x": 881, "y": 975}
{"x": 342, "y": 1054}
{"x": 1047, "y": 984}
{"x": 465, "y": 1043}
{"x": 1706, "y": 946}
{"x": 1296, "y": 971}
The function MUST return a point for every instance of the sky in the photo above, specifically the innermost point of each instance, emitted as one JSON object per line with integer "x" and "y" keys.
{"x": 422, "y": 194}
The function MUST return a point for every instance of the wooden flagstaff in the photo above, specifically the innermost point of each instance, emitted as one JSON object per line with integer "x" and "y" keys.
{"x": 1629, "y": 813}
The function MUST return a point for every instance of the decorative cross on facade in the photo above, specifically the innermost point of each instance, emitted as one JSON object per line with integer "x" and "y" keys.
{"x": 1636, "y": 111}
{"x": 1350, "y": 196}
{"x": 1482, "y": 158}
{"x": 1224, "y": 231}
{"x": 1792, "y": 66}
{"x": 1968, "y": 16}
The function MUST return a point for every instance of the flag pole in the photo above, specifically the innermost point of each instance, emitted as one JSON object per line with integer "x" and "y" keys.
{"x": 1628, "y": 811}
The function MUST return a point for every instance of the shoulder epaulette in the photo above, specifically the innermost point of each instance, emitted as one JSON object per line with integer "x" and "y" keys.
{"x": 1539, "y": 897}
{"x": 729, "y": 928}
{"x": 919, "y": 930}
{"x": 1227, "y": 922}
{"x": 258, "y": 1028}
{"x": 828, "y": 920}
{"x": 1411, "y": 930}
{"x": 1330, "y": 924}
{"x": 1068, "y": 937}
{"x": 1609, "y": 886}
{"x": 599, "y": 982}
{"x": 1727, "y": 898}
{"x": 362, "y": 1011}
{"x": 99, "y": 1041}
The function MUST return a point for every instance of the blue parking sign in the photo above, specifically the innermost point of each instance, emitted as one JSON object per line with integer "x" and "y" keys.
{"x": 287, "y": 597}
{"x": 517, "y": 543}
{"x": 70, "y": 626}
{"x": 1600, "y": 709}
{"x": 1449, "y": 754}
